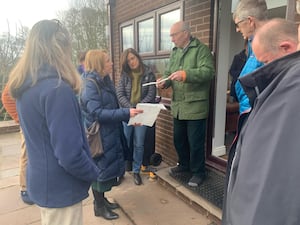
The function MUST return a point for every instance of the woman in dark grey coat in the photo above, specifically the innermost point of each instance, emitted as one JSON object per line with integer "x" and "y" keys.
{"x": 130, "y": 92}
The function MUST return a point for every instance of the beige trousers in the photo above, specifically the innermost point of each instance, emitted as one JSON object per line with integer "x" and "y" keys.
{"x": 23, "y": 163}
{"x": 71, "y": 215}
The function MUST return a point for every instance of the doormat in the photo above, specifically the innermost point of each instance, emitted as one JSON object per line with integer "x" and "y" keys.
{"x": 212, "y": 189}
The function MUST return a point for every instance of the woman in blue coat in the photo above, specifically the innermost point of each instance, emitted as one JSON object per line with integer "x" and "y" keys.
{"x": 44, "y": 82}
{"x": 104, "y": 107}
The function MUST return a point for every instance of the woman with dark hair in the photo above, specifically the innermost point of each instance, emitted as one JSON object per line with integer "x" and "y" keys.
{"x": 44, "y": 83}
{"x": 130, "y": 92}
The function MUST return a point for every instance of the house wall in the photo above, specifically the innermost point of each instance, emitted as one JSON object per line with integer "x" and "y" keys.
{"x": 197, "y": 13}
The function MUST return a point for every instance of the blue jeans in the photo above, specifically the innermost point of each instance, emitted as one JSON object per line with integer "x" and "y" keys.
{"x": 139, "y": 133}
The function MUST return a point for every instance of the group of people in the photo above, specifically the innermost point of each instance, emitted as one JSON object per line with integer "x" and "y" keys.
{"x": 262, "y": 176}
{"x": 55, "y": 105}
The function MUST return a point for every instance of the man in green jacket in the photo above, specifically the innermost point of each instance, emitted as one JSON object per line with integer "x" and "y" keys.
{"x": 189, "y": 73}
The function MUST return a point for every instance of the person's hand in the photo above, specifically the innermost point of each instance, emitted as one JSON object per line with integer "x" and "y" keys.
{"x": 160, "y": 84}
{"x": 134, "y": 112}
{"x": 137, "y": 124}
{"x": 176, "y": 76}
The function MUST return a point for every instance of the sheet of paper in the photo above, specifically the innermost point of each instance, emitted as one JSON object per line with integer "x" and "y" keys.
{"x": 149, "y": 115}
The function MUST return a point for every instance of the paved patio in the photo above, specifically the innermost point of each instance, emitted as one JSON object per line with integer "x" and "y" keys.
{"x": 148, "y": 204}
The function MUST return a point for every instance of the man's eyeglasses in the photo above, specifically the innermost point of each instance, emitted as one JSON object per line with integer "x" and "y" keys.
{"x": 237, "y": 24}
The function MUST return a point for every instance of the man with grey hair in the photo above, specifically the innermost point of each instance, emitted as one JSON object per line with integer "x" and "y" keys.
{"x": 189, "y": 73}
{"x": 264, "y": 181}
{"x": 248, "y": 16}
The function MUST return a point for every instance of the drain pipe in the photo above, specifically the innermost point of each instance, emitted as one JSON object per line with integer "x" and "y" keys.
{"x": 110, "y": 6}
{"x": 214, "y": 16}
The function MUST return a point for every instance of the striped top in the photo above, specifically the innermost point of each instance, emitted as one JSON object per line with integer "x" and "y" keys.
{"x": 9, "y": 104}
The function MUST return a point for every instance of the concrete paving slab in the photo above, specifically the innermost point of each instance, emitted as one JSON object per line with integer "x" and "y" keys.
{"x": 151, "y": 204}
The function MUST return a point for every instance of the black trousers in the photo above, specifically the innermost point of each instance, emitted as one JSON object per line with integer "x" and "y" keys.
{"x": 189, "y": 141}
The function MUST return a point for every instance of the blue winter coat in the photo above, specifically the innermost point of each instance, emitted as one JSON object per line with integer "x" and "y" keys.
{"x": 60, "y": 168}
{"x": 105, "y": 109}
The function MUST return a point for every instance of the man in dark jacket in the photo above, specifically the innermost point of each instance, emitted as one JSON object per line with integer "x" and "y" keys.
{"x": 264, "y": 178}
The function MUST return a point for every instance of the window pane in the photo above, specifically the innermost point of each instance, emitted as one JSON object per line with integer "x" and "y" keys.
{"x": 166, "y": 21}
{"x": 146, "y": 36}
{"x": 127, "y": 37}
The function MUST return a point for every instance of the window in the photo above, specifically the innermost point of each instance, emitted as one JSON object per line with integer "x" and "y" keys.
{"x": 165, "y": 22}
{"x": 149, "y": 34}
{"x": 127, "y": 37}
{"x": 146, "y": 36}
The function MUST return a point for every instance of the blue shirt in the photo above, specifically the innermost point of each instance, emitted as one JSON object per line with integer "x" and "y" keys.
{"x": 251, "y": 64}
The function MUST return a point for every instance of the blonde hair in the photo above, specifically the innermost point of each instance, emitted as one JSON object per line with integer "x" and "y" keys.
{"x": 48, "y": 43}
{"x": 95, "y": 61}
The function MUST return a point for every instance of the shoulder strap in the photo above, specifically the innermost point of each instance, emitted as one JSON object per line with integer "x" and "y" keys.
{"x": 95, "y": 82}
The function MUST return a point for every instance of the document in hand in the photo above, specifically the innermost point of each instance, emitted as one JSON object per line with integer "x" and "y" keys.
{"x": 149, "y": 115}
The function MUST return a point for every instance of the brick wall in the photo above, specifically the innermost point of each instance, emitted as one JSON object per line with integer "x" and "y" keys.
{"x": 197, "y": 13}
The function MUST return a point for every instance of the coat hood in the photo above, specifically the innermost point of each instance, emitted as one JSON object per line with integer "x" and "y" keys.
{"x": 45, "y": 72}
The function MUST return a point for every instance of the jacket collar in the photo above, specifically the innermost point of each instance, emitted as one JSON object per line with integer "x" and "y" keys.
{"x": 254, "y": 83}
{"x": 193, "y": 42}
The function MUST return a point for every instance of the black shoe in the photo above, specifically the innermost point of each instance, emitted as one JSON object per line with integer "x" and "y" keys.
{"x": 196, "y": 181}
{"x": 111, "y": 205}
{"x": 105, "y": 212}
{"x": 25, "y": 198}
{"x": 177, "y": 170}
{"x": 137, "y": 178}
